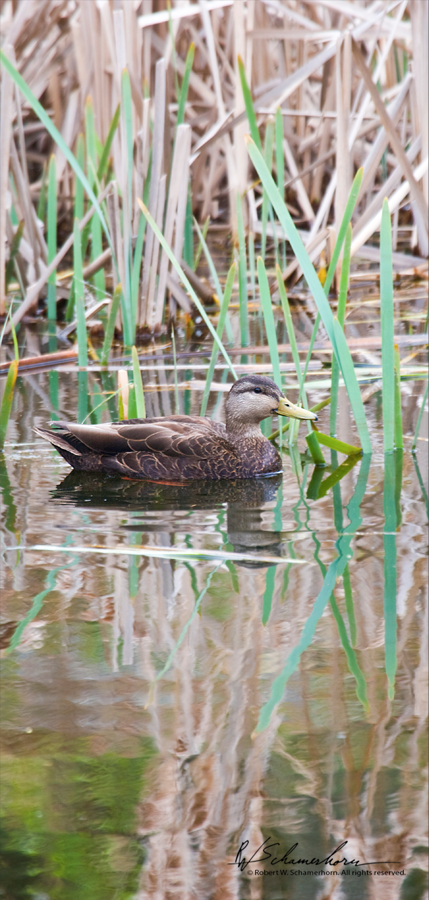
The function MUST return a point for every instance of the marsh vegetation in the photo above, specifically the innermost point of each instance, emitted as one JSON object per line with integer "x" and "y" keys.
{"x": 190, "y": 193}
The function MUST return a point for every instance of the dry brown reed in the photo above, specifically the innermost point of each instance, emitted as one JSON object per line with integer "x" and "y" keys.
{"x": 349, "y": 78}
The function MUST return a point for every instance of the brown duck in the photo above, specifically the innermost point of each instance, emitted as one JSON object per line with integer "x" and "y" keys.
{"x": 183, "y": 448}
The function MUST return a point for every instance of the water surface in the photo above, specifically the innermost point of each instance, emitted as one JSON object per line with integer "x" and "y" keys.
{"x": 189, "y": 668}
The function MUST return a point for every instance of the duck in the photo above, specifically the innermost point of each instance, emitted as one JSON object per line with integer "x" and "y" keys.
{"x": 175, "y": 449}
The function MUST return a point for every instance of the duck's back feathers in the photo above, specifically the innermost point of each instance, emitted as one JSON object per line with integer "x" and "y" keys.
{"x": 175, "y": 436}
{"x": 179, "y": 448}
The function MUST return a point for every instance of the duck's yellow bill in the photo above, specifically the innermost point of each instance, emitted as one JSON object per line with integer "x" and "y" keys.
{"x": 286, "y": 408}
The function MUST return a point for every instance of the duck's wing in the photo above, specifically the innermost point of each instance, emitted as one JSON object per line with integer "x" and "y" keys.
{"x": 193, "y": 437}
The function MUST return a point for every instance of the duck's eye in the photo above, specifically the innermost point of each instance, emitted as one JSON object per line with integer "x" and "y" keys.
{"x": 257, "y": 390}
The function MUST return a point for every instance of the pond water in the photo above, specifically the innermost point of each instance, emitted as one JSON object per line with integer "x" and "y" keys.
{"x": 188, "y": 669}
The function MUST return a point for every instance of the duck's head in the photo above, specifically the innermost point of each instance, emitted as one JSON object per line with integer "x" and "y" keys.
{"x": 254, "y": 398}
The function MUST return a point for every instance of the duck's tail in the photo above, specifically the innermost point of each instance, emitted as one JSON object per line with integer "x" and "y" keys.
{"x": 67, "y": 444}
{"x": 61, "y": 438}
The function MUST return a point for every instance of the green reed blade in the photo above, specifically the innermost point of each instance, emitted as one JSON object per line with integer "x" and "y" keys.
{"x": 268, "y": 157}
{"x": 137, "y": 263}
{"x": 350, "y": 606}
{"x": 351, "y": 382}
{"x": 348, "y": 212}
{"x": 319, "y": 294}
{"x": 294, "y": 238}
{"x": 280, "y": 168}
{"x": 335, "y": 444}
{"x": 183, "y": 95}
{"x": 188, "y": 237}
{"x": 314, "y": 448}
{"x": 248, "y": 102}
{"x": 268, "y": 594}
{"x": 390, "y": 574}
{"x": 104, "y": 160}
{"x": 79, "y": 298}
{"x": 213, "y": 272}
{"x": 14, "y": 248}
{"x": 6, "y": 403}
{"x": 138, "y": 386}
{"x": 41, "y": 205}
{"x": 110, "y": 327}
{"x": 95, "y": 414}
{"x": 98, "y": 146}
{"x": 420, "y": 417}
{"x": 315, "y": 483}
{"x": 59, "y": 140}
{"x": 52, "y": 216}
{"x": 132, "y": 402}
{"x": 280, "y": 156}
{"x": 78, "y": 187}
{"x": 52, "y": 249}
{"x": 290, "y": 331}
{"x": 219, "y": 330}
{"x": 242, "y": 277}
{"x": 387, "y": 329}
{"x": 295, "y": 458}
{"x": 96, "y": 251}
{"x": 202, "y": 234}
{"x": 252, "y": 265}
{"x": 54, "y": 390}
{"x": 94, "y": 226}
{"x": 336, "y": 476}
{"x": 82, "y": 396}
{"x": 310, "y": 347}
{"x": 344, "y": 279}
{"x": 15, "y": 339}
{"x": 399, "y": 461}
{"x": 341, "y": 314}
{"x": 399, "y": 442}
{"x": 186, "y": 283}
{"x": 270, "y": 326}
{"x": 129, "y": 323}
{"x": 78, "y": 214}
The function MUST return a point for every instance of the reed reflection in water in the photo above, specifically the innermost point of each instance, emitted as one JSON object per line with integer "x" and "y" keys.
{"x": 167, "y": 701}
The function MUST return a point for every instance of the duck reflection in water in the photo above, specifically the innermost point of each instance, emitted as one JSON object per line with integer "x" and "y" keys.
{"x": 245, "y": 503}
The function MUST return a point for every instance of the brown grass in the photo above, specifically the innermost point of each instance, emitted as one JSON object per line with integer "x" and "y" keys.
{"x": 350, "y": 79}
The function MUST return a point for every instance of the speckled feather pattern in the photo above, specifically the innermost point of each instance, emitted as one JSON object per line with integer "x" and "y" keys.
{"x": 198, "y": 452}
{"x": 179, "y": 448}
